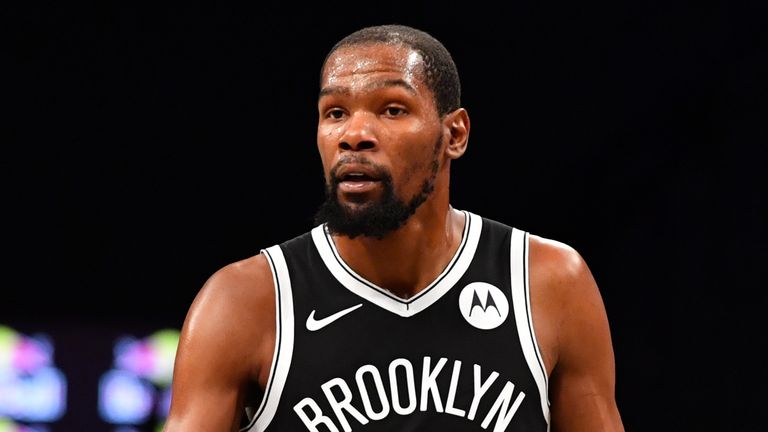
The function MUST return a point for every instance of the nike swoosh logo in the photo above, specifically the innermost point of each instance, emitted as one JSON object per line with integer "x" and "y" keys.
{"x": 315, "y": 325}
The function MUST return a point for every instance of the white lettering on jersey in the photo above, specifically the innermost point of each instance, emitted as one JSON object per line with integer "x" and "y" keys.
{"x": 480, "y": 390}
{"x": 380, "y": 391}
{"x": 319, "y": 418}
{"x": 410, "y": 383}
{"x": 449, "y": 408}
{"x": 345, "y": 404}
{"x": 501, "y": 404}
{"x": 401, "y": 375}
{"x": 429, "y": 384}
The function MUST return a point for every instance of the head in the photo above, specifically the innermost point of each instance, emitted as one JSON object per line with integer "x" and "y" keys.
{"x": 389, "y": 124}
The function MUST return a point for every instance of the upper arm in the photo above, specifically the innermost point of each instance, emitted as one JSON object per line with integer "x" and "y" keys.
{"x": 228, "y": 328}
{"x": 575, "y": 325}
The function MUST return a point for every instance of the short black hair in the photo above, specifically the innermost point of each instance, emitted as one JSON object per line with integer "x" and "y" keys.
{"x": 440, "y": 73}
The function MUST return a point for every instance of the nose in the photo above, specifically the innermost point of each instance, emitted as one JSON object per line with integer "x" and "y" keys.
{"x": 359, "y": 133}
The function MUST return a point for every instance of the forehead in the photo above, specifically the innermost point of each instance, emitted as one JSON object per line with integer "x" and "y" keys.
{"x": 360, "y": 64}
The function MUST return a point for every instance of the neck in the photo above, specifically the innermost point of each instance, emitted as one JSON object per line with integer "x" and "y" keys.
{"x": 408, "y": 259}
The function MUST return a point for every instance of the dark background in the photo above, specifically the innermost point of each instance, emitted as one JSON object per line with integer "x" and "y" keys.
{"x": 149, "y": 147}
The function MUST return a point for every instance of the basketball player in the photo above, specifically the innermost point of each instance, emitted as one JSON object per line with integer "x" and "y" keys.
{"x": 397, "y": 312}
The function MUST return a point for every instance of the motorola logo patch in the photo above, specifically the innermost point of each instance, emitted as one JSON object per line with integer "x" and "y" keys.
{"x": 483, "y": 305}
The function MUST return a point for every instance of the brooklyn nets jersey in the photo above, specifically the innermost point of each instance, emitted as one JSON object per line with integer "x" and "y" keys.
{"x": 461, "y": 355}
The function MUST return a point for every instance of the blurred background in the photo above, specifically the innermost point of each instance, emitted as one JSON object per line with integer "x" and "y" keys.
{"x": 148, "y": 147}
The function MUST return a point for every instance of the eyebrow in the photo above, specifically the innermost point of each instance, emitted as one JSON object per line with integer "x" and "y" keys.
{"x": 334, "y": 90}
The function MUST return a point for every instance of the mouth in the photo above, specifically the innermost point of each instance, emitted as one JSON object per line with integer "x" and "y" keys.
{"x": 357, "y": 179}
{"x": 356, "y": 182}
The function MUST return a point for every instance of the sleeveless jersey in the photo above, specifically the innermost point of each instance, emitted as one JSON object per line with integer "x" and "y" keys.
{"x": 461, "y": 355}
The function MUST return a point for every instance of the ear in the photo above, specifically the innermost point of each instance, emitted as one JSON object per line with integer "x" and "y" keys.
{"x": 456, "y": 124}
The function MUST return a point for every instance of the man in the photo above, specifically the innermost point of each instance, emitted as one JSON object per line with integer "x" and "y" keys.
{"x": 397, "y": 312}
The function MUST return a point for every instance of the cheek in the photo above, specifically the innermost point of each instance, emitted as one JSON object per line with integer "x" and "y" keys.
{"x": 324, "y": 149}
{"x": 421, "y": 155}
{"x": 414, "y": 167}
{"x": 328, "y": 138}
{"x": 327, "y": 131}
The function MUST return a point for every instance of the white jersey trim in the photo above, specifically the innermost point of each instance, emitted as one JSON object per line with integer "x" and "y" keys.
{"x": 385, "y": 299}
{"x": 284, "y": 325}
{"x": 521, "y": 301}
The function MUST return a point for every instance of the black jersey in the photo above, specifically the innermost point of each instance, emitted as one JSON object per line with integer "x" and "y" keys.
{"x": 461, "y": 355}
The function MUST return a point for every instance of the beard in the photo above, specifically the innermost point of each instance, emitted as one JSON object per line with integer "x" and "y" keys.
{"x": 376, "y": 218}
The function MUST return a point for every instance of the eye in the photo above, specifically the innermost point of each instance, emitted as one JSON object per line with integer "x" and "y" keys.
{"x": 394, "y": 111}
{"x": 334, "y": 114}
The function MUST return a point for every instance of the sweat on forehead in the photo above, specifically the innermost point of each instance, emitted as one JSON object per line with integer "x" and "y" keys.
{"x": 371, "y": 58}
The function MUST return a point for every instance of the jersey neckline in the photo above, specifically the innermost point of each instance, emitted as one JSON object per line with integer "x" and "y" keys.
{"x": 385, "y": 299}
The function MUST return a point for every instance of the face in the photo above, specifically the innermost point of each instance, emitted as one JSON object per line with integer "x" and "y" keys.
{"x": 379, "y": 137}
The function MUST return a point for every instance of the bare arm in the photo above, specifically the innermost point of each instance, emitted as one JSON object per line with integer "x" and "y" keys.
{"x": 226, "y": 337}
{"x": 575, "y": 339}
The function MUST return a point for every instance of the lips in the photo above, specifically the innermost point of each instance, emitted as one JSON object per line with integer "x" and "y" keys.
{"x": 356, "y": 173}
{"x": 357, "y": 178}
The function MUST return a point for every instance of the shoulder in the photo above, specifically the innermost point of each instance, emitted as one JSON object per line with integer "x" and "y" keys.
{"x": 247, "y": 285}
{"x": 235, "y": 307}
{"x": 226, "y": 344}
{"x": 564, "y": 295}
{"x": 241, "y": 287}
{"x": 558, "y": 264}
{"x": 574, "y": 337}
{"x": 241, "y": 275}
{"x": 560, "y": 275}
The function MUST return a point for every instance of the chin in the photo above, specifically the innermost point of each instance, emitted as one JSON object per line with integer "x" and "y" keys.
{"x": 358, "y": 202}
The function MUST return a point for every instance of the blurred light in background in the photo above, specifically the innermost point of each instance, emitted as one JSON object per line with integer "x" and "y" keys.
{"x": 138, "y": 387}
{"x": 32, "y": 389}
{"x": 9, "y": 426}
{"x": 101, "y": 379}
